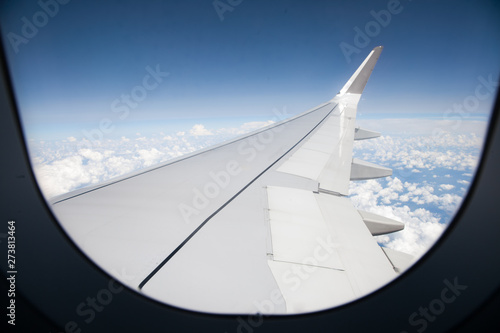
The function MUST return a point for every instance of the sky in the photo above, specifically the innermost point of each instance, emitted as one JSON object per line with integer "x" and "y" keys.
{"x": 239, "y": 62}
{"x": 109, "y": 87}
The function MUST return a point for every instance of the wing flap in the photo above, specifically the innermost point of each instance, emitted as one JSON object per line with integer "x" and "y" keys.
{"x": 363, "y": 134}
{"x": 380, "y": 225}
{"x": 318, "y": 236}
{"x": 362, "y": 170}
{"x": 299, "y": 231}
{"x": 304, "y": 292}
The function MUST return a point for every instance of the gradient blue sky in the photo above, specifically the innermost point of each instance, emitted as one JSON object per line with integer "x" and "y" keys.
{"x": 263, "y": 55}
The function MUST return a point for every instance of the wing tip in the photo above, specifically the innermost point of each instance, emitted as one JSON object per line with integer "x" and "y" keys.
{"x": 358, "y": 80}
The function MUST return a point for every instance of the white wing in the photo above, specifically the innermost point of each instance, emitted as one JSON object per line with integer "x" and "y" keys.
{"x": 258, "y": 224}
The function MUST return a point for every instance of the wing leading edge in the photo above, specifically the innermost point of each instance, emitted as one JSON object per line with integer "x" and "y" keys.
{"x": 260, "y": 224}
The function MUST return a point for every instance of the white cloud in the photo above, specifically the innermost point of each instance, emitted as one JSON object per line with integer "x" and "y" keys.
{"x": 449, "y": 202}
{"x": 62, "y": 176}
{"x": 199, "y": 130}
{"x": 413, "y": 160}
{"x": 71, "y": 139}
{"x": 422, "y": 228}
{"x": 423, "y": 152}
{"x": 395, "y": 184}
{"x": 254, "y": 125}
{"x": 245, "y": 127}
{"x": 428, "y": 127}
{"x": 404, "y": 198}
{"x": 61, "y": 168}
{"x": 119, "y": 165}
{"x": 90, "y": 154}
{"x": 150, "y": 157}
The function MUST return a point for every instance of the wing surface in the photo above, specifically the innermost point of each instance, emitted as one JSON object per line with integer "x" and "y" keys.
{"x": 260, "y": 224}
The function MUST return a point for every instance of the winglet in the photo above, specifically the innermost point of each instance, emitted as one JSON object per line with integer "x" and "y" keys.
{"x": 358, "y": 80}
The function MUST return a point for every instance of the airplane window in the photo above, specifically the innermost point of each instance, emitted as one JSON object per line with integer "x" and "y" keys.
{"x": 173, "y": 138}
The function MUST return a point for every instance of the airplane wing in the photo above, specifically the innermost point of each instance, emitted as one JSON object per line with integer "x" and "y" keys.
{"x": 259, "y": 224}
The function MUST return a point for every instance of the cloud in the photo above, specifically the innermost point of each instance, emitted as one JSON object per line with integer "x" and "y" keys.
{"x": 422, "y": 227}
{"x": 421, "y": 231}
{"x": 90, "y": 154}
{"x": 425, "y": 206}
{"x": 254, "y": 125}
{"x": 427, "y": 127}
{"x": 150, "y": 157}
{"x": 62, "y": 176}
{"x": 61, "y": 167}
{"x": 199, "y": 130}
{"x": 454, "y": 152}
{"x": 415, "y": 194}
{"x": 119, "y": 165}
{"x": 245, "y": 127}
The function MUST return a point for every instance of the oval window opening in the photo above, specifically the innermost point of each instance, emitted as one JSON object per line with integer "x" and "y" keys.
{"x": 201, "y": 156}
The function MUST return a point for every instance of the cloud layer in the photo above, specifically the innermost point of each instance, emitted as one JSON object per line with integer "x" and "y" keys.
{"x": 431, "y": 174}
{"x": 63, "y": 166}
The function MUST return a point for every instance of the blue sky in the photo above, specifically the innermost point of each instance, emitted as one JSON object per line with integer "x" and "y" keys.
{"x": 262, "y": 55}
